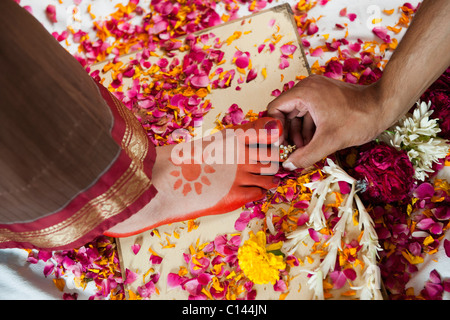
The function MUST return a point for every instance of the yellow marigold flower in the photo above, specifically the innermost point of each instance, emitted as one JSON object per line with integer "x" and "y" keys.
{"x": 257, "y": 264}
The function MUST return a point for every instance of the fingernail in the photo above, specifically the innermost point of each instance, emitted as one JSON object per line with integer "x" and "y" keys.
{"x": 288, "y": 165}
{"x": 271, "y": 125}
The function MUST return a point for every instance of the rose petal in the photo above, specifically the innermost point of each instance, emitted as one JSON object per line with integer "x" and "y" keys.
{"x": 338, "y": 278}
{"x": 288, "y": 49}
{"x": 193, "y": 287}
{"x": 302, "y": 219}
{"x": 175, "y": 281}
{"x": 435, "y": 277}
{"x": 200, "y": 81}
{"x": 242, "y": 61}
{"x": 146, "y": 290}
{"x": 382, "y": 33}
{"x": 344, "y": 187}
{"x": 351, "y": 16}
{"x": 447, "y": 247}
{"x": 276, "y": 92}
{"x": 243, "y": 220}
{"x": 425, "y": 224}
{"x": 155, "y": 259}
{"x": 251, "y": 75}
{"x": 280, "y": 285}
{"x": 135, "y": 248}
{"x": 261, "y": 47}
{"x": 284, "y": 63}
{"x": 130, "y": 276}
{"x": 204, "y": 278}
{"x": 436, "y": 228}
{"x": 312, "y": 28}
{"x": 317, "y": 52}
{"x": 48, "y": 268}
{"x": 424, "y": 191}
{"x": 50, "y": 11}
{"x": 356, "y": 47}
{"x": 350, "y": 274}
{"x": 314, "y": 234}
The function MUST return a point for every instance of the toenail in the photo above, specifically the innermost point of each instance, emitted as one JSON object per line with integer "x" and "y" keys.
{"x": 271, "y": 125}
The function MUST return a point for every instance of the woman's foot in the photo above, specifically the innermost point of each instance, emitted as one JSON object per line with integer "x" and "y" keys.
{"x": 213, "y": 175}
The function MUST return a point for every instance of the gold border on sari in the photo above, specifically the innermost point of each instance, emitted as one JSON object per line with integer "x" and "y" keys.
{"x": 124, "y": 192}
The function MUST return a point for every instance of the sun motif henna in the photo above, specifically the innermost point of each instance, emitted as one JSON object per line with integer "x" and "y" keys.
{"x": 191, "y": 174}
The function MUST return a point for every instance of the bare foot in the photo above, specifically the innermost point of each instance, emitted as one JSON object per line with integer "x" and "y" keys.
{"x": 213, "y": 175}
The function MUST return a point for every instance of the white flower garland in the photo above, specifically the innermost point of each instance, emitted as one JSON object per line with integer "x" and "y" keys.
{"x": 417, "y": 134}
{"x": 369, "y": 240}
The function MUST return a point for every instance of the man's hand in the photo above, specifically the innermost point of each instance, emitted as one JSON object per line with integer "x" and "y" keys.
{"x": 322, "y": 115}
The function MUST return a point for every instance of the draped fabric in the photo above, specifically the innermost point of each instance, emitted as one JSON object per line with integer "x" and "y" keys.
{"x": 74, "y": 161}
{"x": 122, "y": 188}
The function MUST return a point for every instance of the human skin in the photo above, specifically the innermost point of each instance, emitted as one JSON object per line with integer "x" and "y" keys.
{"x": 349, "y": 114}
{"x": 192, "y": 184}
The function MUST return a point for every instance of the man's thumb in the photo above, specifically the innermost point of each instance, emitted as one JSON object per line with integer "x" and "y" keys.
{"x": 308, "y": 155}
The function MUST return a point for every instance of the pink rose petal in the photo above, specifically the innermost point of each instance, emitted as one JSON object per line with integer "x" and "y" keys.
{"x": 356, "y": 47}
{"x": 48, "y": 268}
{"x": 350, "y": 274}
{"x": 302, "y": 219}
{"x": 135, "y": 248}
{"x": 200, "y": 81}
{"x": 130, "y": 276}
{"x": 50, "y": 11}
{"x": 271, "y": 47}
{"x": 425, "y": 224}
{"x": 351, "y": 16}
{"x": 261, "y": 47}
{"x": 424, "y": 191}
{"x": 243, "y": 220}
{"x": 312, "y": 29}
{"x": 288, "y": 49}
{"x": 436, "y": 228}
{"x": 280, "y": 285}
{"x": 251, "y": 75}
{"x": 382, "y": 33}
{"x": 303, "y": 204}
{"x": 338, "y": 278}
{"x": 276, "y": 92}
{"x": 344, "y": 187}
{"x": 175, "y": 281}
{"x": 305, "y": 43}
{"x": 155, "y": 259}
{"x": 284, "y": 63}
{"x": 242, "y": 61}
{"x": 314, "y": 234}
{"x": 317, "y": 52}
{"x": 146, "y": 290}
{"x": 447, "y": 247}
{"x": 204, "y": 278}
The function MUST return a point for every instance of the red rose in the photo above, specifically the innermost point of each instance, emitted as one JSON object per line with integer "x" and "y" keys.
{"x": 388, "y": 173}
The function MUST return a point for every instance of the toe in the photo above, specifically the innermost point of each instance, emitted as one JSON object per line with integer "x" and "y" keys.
{"x": 262, "y": 131}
